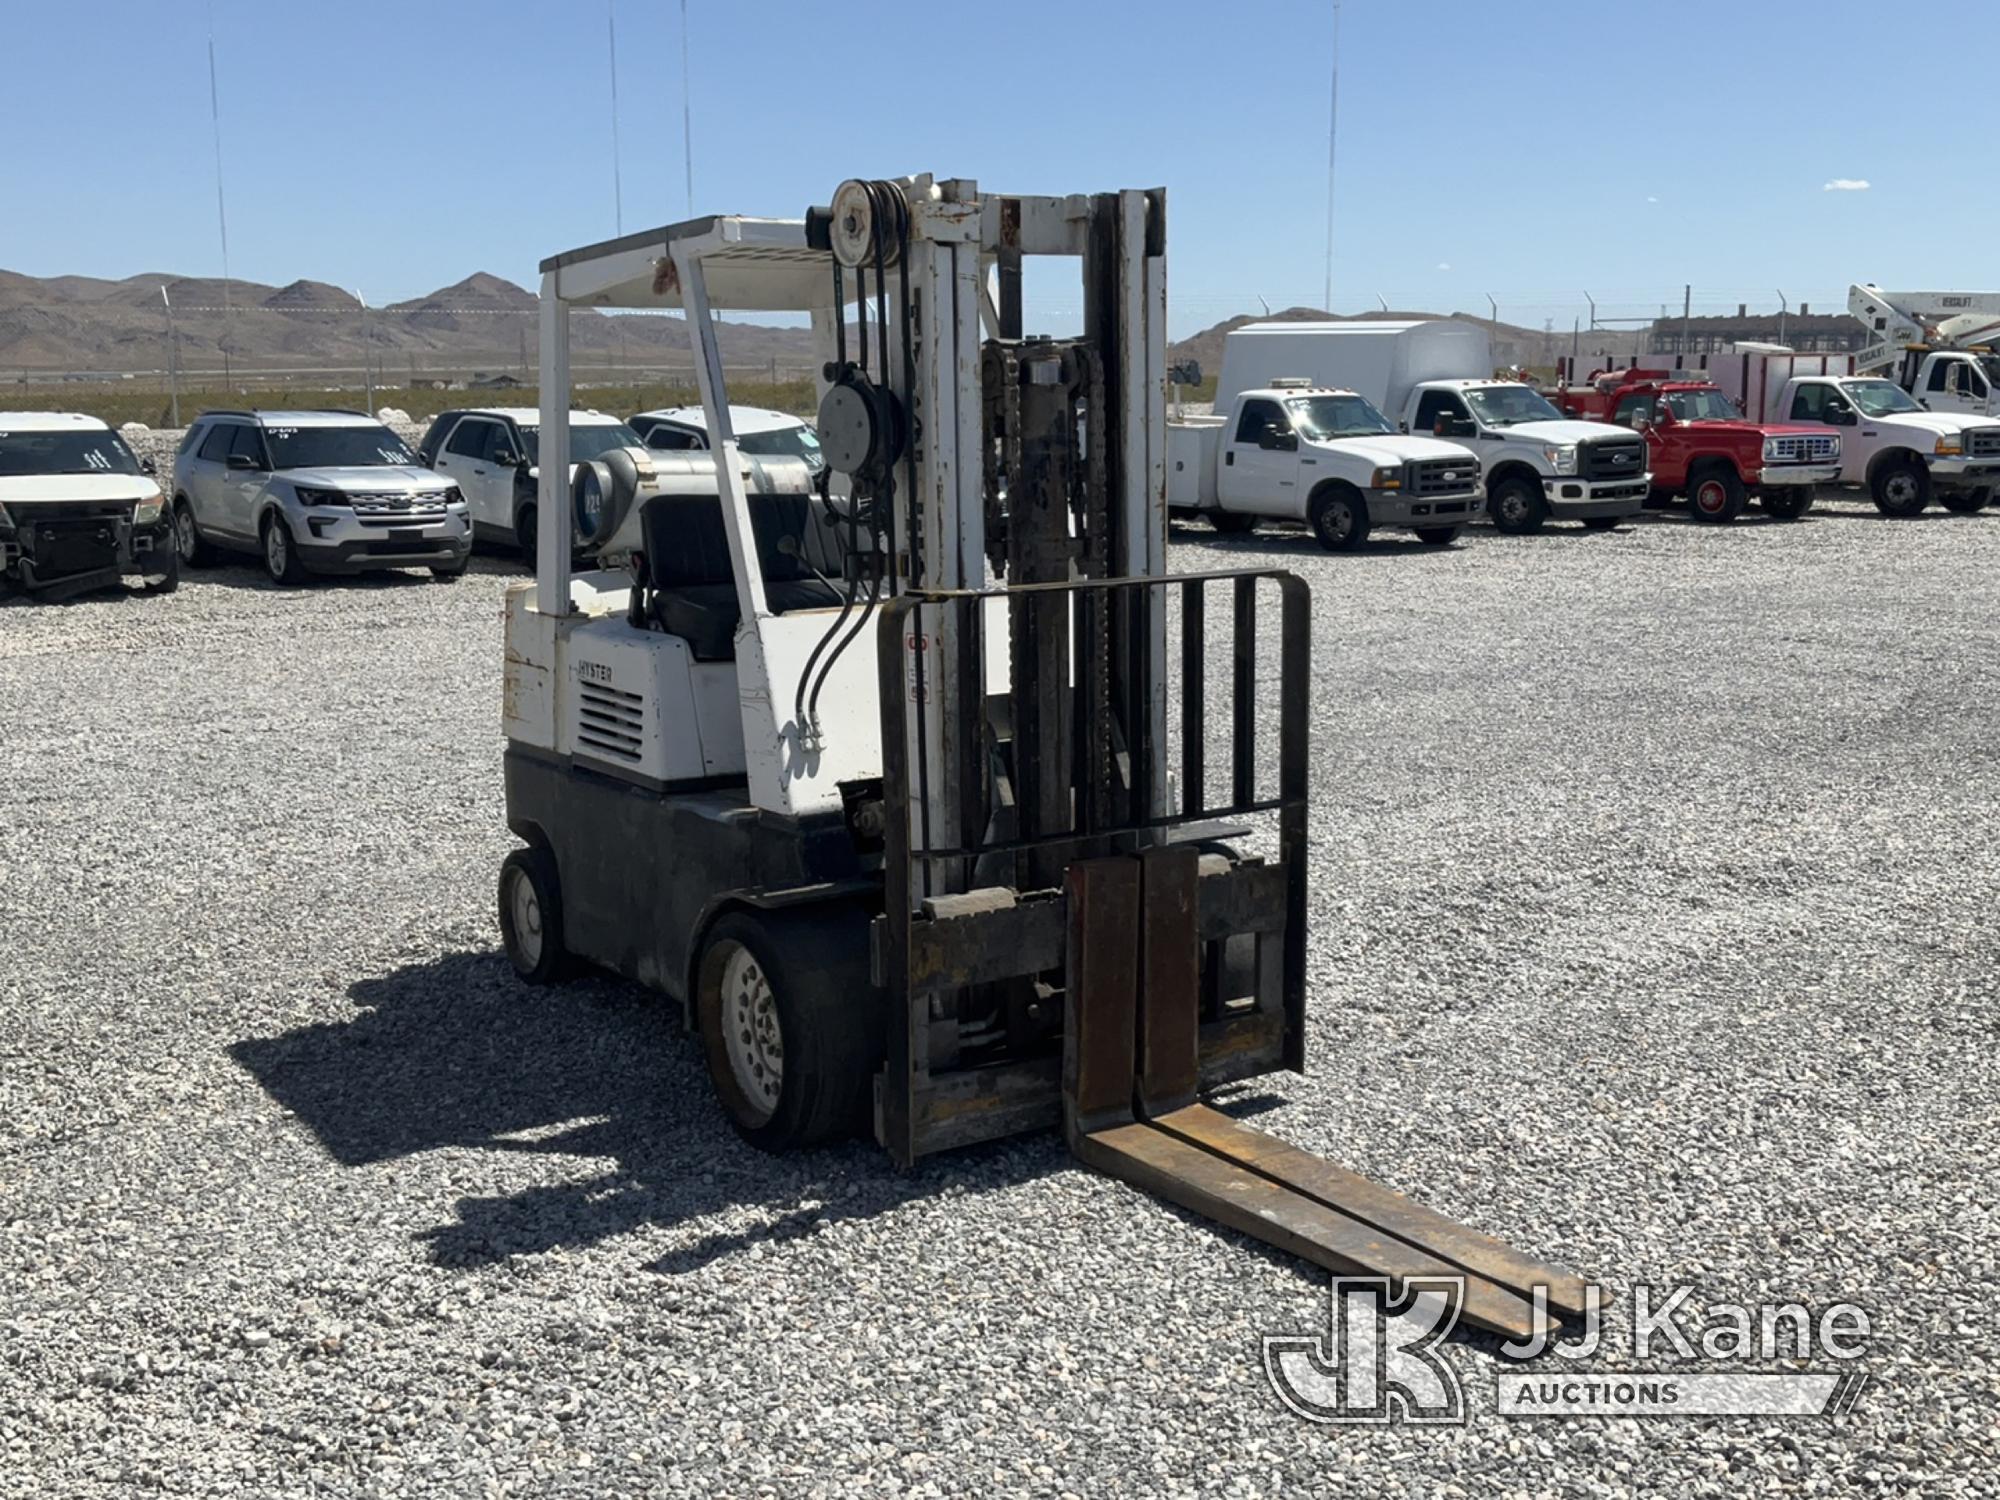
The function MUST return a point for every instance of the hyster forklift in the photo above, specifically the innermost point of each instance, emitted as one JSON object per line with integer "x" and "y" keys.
{"x": 887, "y": 774}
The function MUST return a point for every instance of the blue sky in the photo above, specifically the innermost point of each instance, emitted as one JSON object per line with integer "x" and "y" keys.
{"x": 396, "y": 147}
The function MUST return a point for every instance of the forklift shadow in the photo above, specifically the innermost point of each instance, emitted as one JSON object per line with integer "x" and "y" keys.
{"x": 455, "y": 1054}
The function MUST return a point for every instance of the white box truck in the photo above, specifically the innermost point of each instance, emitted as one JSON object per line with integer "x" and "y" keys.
{"x": 1279, "y": 446}
{"x": 1435, "y": 376}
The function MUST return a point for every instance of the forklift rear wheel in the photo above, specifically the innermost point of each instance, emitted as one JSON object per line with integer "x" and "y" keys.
{"x": 1340, "y": 520}
{"x": 1966, "y": 502}
{"x": 531, "y": 926}
{"x": 1716, "y": 496}
{"x": 790, "y": 1023}
{"x": 1437, "y": 536}
{"x": 1788, "y": 503}
{"x": 1517, "y": 506}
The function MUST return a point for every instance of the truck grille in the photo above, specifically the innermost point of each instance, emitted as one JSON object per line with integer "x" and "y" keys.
{"x": 397, "y": 510}
{"x": 1611, "y": 458}
{"x": 1441, "y": 476}
{"x": 1804, "y": 448}
{"x": 1982, "y": 442}
{"x": 610, "y": 722}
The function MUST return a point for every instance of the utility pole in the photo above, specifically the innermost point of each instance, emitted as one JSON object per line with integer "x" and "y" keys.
{"x": 1333, "y": 125}
{"x": 173, "y": 357}
{"x": 1593, "y": 311}
{"x": 617, "y": 179}
{"x": 367, "y": 354}
{"x": 1493, "y": 311}
{"x": 687, "y": 111}
{"x": 1784, "y": 308}
{"x": 1687, "y": 303}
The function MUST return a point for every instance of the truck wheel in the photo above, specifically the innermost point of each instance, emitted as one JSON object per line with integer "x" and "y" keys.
{"x": 531, "y": 920}
{"x": 170, "y": 580}
{"x": 1600, "y": 523}
{"x": 1715, "y": 495}
{"x": 789, "y": 1023}
{"x": 1339, "y": 519}
{"x": 1517, "y": 506}
{"x": 1901, "y": 487}
{"x": 1230, "y": 522}
{"x": 524, "y": 535}
{"x": 187, "y": 537}
{"x": 281, "y": 553}
{"x": 1966, "y": 502}
{"x": 1437, "y": 536}
{"x": 1789, "y": 503}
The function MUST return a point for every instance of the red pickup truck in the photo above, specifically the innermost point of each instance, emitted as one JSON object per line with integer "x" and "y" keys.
{"x": 1702, "y": 449}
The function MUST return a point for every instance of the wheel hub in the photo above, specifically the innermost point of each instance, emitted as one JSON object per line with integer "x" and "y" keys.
{"x": 526, "y": 910}
{"x": 751, "y": 1035}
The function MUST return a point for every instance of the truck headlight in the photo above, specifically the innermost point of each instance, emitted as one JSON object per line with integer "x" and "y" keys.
{"x": 319, "y": 497}
{"x": 1771, "y": 453}
{"x": 146, "y": 513}
{"x": 1562, "y": 460}
{"x": 1949, "y": 447}
{"x": 1386, "y": 479}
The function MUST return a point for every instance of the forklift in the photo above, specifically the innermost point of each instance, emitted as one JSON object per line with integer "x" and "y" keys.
{"x": 887, "y": 772}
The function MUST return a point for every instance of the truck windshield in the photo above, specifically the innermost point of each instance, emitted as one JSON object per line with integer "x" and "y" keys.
{"x": 1506, "y": 405}
{"x": 781, "y": 442}
{"x": 1878, "y": 398}
{"x": 102, "y": 452}
{"x": 1702, "y": 406}
{"x": 335, "y": 447}
{"x": 1321, "y": 419}
{"x": 586, "y": 440}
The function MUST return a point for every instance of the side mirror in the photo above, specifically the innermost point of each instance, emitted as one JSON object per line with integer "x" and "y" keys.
{"x": 506, "y": 458}
{"x": 1640, "y": 421}
{"x": 1273, "y": 441}
{"x": 241, "y": 461}
{"x": 147, "y": 466}
{"x": 1449, "y": 426}
{"x": 1841, "y": 416}
{"x": 1663, "y": 416}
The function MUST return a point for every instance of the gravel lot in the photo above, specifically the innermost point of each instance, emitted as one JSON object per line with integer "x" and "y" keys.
{"x": 1653, "y": 930}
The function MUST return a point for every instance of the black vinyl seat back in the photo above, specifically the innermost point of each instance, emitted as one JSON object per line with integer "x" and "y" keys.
{"x": 691, "y": 592}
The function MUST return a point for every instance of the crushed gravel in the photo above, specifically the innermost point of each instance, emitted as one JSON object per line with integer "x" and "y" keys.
{"x": 1653, "y": 929}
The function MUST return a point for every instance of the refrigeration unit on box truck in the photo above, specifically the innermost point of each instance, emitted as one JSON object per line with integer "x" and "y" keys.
{"x": 1435, "y": 376}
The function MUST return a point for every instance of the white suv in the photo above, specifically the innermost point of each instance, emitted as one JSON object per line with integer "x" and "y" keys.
{"x": 493, "y": 454}
{"x": 760, "y": 432}
{"x": 78, "y": 511}
{"x": 314, "y": 492}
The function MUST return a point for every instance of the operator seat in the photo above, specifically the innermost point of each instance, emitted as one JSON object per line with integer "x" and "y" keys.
{"x": 690, "y": 591}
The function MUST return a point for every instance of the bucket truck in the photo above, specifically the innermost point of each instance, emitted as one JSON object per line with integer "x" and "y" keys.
{"x": 1941, "y": 347}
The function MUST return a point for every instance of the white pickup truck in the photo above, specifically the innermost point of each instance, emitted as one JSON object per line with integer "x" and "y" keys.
{"x": 1903, "y": 455}
{"x": 1292, "y": 451}
{"x": 1435, "y": 376}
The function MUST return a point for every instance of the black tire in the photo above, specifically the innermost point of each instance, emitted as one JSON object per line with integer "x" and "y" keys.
{"x": 525, "y": 534}
{"x": 799, "y": 979}
{"x": 1788, "y": 503}
{"x": 1437, "y": 536}
{"x": 1339, "y": 520}
{"x": 449, "y": 575}
{"x": 169, "y": 581}
{"x": 1601, "y": 523}
{"x": 1715, "y": 494}
{"x": 1229, "y": 522}
{"x": 1900, "y": 487}
{"x": 1517, "y": 506}
{"x": 531, "y": 916}
{"x": 1966, "y": 502}
{"x": 195, "y": 552}
{"x": 281, "y": 552}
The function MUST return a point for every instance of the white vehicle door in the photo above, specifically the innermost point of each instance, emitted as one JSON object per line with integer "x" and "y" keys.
{"x": 467, "y": 456}
{"x": 1260, "y": 462}
{"x": 1955, "y": 385}
{"x": 243, "y": 483}
{"x": 1820, "y": 403}
{"x": 207, "y": 476}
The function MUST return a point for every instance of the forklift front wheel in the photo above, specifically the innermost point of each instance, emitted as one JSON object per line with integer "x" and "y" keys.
{"x": 531, "y": 925}
{"x": 789, "y": 1023}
